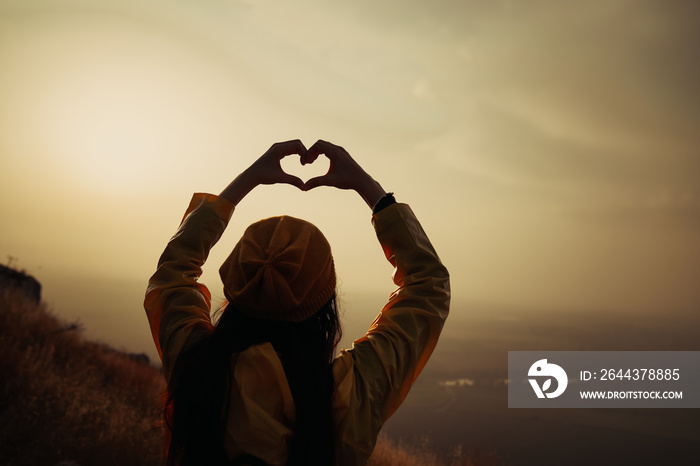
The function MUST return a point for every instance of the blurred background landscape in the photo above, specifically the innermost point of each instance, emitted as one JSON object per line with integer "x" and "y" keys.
{"x": 65, "y": 397}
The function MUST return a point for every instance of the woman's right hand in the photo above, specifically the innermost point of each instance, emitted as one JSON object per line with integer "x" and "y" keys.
{"x": 343, "y": 173}
{"x": 266, "y": 170}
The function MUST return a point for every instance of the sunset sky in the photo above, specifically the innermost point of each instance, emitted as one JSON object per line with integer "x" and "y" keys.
{"x": 551, "y": 149}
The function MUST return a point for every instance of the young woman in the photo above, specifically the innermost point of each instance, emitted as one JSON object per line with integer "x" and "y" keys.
{"x": 264, "y": 385}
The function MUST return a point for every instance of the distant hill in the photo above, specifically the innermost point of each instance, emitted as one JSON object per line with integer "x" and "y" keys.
{"x": 21, "y": 282}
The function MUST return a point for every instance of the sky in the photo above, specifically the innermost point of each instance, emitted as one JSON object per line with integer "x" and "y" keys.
{"x": 550, "y": 149}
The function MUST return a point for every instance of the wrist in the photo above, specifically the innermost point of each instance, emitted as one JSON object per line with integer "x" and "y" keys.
{"x": 371, "y": 191}
{"x": 238, "y": 189}
{"x": 383, "y": 202}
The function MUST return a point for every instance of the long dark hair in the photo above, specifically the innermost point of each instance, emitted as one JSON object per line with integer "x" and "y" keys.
{"x": 196, "y": 405}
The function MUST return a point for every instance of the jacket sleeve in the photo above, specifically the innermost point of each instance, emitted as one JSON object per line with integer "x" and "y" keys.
{"x": 374, "y": 377}
{"x": 176, "y": 303}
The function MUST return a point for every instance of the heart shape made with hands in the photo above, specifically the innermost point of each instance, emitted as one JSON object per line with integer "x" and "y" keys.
{"x": 292, "y": 166}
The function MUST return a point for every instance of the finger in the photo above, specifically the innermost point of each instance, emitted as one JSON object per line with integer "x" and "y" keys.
{"x": 315, "y": 183}
{"x": 319, "y": 147}
{"x": 304, "y": 158}
{"x": 283, "y": 149}
{"x": 293, "y": 180}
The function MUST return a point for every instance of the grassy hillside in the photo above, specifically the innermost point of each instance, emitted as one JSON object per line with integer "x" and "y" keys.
{"x": 66, "y": 399}
{"x": 63, "y": 398}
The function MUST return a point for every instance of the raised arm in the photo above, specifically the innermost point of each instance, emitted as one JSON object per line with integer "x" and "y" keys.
{"x": 176, "y": 304}
{"x": 373, "y": 378}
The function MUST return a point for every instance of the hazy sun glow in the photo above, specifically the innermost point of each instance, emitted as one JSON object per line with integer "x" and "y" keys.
{"x": 111, "y": 100}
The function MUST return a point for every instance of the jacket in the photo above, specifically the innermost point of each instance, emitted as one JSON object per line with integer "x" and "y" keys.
{"x": 371, "y": 379}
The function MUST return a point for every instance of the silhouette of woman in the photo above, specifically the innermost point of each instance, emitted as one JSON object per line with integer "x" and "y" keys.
{"x": 264, "y": 385}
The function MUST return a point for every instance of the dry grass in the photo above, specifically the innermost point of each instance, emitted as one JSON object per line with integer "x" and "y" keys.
{"x": 66, "y": 399}
{"x": 63, "y": 398}
{"x": 388, "y": 453}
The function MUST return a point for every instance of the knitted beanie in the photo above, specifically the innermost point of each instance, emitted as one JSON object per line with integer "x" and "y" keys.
{"x": 281, "y": 269}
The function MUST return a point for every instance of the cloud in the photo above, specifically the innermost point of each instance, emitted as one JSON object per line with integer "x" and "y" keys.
{"x": 319, "y": 58}
{"x": 593, "y": 102}
{"x": 663, "y": 209}
{"x": 619, "y": 75}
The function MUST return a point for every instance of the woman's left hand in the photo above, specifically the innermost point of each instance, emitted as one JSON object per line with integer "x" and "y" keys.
{"x": 266, "y": 170}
